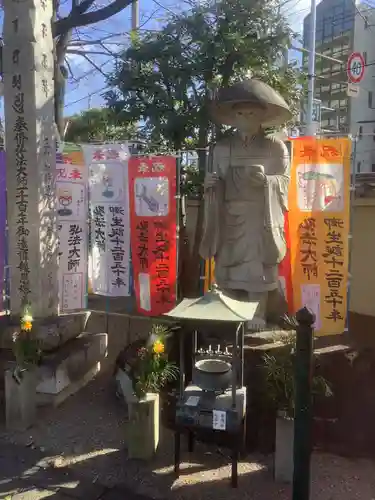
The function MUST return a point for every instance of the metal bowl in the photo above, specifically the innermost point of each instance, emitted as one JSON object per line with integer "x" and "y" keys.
{"x": 212, "y": 374}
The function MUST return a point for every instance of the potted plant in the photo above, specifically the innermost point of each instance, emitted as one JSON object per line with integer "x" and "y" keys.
{"x": 280, "y": 387}
{"x": 21, "y": 379}
{"x": 152, "y": 372}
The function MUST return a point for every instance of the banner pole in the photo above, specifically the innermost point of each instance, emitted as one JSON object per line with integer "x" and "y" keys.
{"x": 350, "y": 235}
{"x": 178, "y": 220}
{"x": 210, "y": 164}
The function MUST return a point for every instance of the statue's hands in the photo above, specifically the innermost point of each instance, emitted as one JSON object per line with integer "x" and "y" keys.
{"x": 258, "y": 177}
{"x": 210, "y": 180}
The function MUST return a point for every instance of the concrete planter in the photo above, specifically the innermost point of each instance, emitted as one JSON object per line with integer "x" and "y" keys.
{"x": 284, "y": 466}
{"x": 20, "y": 400}
{"x": 144, "y": 428}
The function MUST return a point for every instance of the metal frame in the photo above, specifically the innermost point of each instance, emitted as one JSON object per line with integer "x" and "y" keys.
{"x": 237, "y": 362}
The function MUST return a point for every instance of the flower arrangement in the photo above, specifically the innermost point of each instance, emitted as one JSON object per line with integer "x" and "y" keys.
{"x": 153, "y": 370}
{"x": 26, "y": 347}
{"x": 279, "y": 376}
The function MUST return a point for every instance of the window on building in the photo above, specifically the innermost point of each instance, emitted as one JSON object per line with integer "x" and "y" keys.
{"x": 360, "y": 132}
{"x": 373, "y": 167}
{"x": 358, "y": 166}
{"x": 370, "y": 99}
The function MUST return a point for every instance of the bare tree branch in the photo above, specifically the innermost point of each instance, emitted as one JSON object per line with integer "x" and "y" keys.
{"x": 77, "y": 18}
{"x": 96, "y": 42}
{"x": 95, "y": 66}
{"x": 83, "y": 53}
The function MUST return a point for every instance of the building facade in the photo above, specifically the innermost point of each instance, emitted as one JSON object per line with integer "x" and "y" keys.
{"x": 335, "y": 20}
{"x": 362, "y": 109}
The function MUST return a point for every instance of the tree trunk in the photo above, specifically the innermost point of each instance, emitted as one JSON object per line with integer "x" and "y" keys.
{"x": 60, "y": 86}
{"x": 195, "y": 260}
{"x": 60, "y": 75}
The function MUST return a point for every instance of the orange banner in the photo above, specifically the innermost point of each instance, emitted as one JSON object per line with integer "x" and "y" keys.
{"x": 319, "y": 201}
{"x": 208, "y": 281}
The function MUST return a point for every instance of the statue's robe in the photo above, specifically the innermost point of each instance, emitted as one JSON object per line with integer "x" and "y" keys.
{"x": 244, "y": 222}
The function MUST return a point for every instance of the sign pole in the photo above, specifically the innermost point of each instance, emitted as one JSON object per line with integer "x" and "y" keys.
{"x": 311, "y": 71}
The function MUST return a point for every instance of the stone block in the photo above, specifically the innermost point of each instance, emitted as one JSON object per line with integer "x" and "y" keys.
{"x": 52, "y": 333}
{"x": 284, "y": 466}
{"x": 66, "y": 327}
{"x": 143, "y": 429}
{"x": 71, "y": 363}
{"x": 20, "y": 400}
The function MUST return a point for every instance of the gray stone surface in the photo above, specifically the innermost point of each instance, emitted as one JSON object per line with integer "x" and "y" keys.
{"x": 244, "y": 219}
{"x": 28, "y": 70}
{"x": 71, "y": 362}
{"x": 284, "y": 450}
{"x": 25, "y": 474}
{"x": 52, "y": 332}
{"x": 20, "y": 400}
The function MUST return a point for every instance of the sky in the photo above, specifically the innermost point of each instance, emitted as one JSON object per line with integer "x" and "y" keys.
{"x": 87, "y": 91}
{"x": 87, "y": 83}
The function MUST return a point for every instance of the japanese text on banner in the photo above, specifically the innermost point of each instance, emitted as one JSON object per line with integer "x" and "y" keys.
{"x": 109, "y": 207}
{"x": 71, "y": 187}
{"x": 152, "y": 195}
{"x": 319, "y": 203}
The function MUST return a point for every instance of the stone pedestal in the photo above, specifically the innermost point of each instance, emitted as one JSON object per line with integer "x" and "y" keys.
{"x": 68, "y": 369}
{"x": 143, "y": 429}
{"x": 30, "y": 156}
{"x": 20, "y": 400}
{"x": 284, "y": 466}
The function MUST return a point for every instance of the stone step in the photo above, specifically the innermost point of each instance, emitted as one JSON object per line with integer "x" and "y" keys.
{"x": 64, "y": 372}
{"x": 268, "y": 336}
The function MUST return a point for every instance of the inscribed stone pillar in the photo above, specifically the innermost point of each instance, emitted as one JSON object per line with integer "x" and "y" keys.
{"x": 30, "y": 156}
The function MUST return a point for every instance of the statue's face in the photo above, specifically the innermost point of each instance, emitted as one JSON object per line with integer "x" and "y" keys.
{"x": 249, "y": 120}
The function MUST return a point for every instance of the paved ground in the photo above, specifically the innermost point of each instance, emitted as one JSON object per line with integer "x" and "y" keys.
{"x": 25, "y": 474}
{"x": 82, "y": 444}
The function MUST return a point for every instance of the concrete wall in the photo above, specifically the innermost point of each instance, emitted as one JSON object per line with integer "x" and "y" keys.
{"x": 362, "y": 291}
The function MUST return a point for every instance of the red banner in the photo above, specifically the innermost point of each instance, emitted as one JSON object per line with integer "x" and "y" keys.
{"x": 152, "y": 198}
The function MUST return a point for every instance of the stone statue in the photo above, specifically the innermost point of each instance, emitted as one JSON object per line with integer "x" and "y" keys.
{"x": 246, "y": 195}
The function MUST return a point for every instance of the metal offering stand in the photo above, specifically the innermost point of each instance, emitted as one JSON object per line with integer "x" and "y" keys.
{"x": 215, "y": 399}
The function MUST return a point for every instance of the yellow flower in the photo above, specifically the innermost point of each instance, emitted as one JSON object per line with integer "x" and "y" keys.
{"x": 158, "y": 347}
{"x": 26, "y": 325}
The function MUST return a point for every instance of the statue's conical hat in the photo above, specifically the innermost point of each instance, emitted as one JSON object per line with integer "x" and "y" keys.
{"x": 247, "y": 94}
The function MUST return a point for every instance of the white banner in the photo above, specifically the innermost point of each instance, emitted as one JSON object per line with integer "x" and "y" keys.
{"x": 71, "y": 187}
{"x": 110, "y": 228}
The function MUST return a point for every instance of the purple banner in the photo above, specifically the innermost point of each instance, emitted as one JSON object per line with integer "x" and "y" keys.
{"x": 3, "y": 209}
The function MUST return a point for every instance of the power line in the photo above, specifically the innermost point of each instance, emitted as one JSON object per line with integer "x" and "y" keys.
{"x": 86, "y": 96}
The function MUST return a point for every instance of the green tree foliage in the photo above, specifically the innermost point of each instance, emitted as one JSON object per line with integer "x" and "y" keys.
{"x": 167, "y": 77}
{"x": 97, "y": 125}
{"x": 165, "y": 80}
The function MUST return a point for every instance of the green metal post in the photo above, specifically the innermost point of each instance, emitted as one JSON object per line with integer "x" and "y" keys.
{"x": 303, "y": 405}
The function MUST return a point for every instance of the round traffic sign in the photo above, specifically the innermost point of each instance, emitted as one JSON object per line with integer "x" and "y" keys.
{"x": 356, "y": 67}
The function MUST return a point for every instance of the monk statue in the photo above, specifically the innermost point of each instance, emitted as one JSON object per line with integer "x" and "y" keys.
{"x": 246, "y": 195}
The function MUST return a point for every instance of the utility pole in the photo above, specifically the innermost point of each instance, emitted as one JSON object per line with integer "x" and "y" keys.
{"x": 135, "y": 16}
{"x": 135, "y": 27}
{"x": 311, "y": 70}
